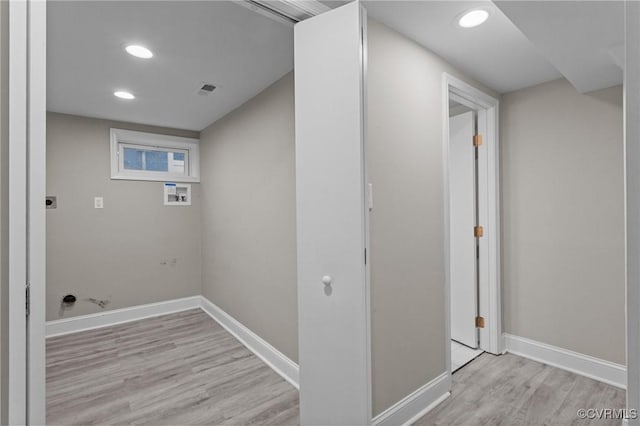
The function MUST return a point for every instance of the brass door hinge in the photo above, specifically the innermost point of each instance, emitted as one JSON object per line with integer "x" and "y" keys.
{"x": 479, "y": 322}
{"x": 478, "y": 231}
{"x": 477, "y": 140}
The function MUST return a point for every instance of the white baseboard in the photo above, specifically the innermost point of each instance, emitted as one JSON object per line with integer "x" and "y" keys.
{"x": 275, "y": 359}
{"x": 417, "y": 404}
{"x": 119, "y": 316}
{"x": 585, "y": 365}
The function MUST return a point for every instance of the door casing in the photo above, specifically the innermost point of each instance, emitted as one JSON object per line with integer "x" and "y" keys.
{"x": 487, "y": 107}
{"x": 27, "y": 180}
{"x": 18, "y": 40}
{"x": 36, "y": 223}
{"x": 632, "y": 202}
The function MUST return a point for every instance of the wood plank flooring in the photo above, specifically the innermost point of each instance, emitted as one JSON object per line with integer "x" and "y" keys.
{"x": 177, "y": 369}
{"x": 184, "y": 369}
{"x": 510, "y": 390}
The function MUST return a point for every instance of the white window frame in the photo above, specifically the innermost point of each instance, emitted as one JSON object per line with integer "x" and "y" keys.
{"x": 121, "y": 139}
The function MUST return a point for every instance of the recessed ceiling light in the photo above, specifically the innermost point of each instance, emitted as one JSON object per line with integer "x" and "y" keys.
{"x": 123, "y": 95}
{"x": 473, "y": 18}
{"x": 139, "y": 51}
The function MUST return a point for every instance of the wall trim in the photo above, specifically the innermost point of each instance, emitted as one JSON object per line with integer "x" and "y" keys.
{"x": 118, "y": 316}
{"x": 275, "y": 359}
{"x": 489, "y": 287}
{"x": 584, "y": 365}
{"x": 417, "y": 404}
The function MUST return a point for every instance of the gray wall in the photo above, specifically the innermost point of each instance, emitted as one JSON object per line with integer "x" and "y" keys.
{"x": 132, "y": 252}
{"x": 563, "y": 223}
{"x": 4, "y": 214}
{"x": 407, "y": 222}
{"x": 248, "y": 212}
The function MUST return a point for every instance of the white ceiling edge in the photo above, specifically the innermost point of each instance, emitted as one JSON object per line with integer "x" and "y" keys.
{"x": 582, "y": 39}
{"x": 495, "y": 54}
{"x": 309, "y": 7}
{"x": 287, "y": 12}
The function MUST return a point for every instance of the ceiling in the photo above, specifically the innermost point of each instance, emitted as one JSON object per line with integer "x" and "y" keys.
{"x": 583, "y": 39}
{"x": 242, "y": 52}
{"x": 495, "y": 53}
{"x": 239, "y": 51}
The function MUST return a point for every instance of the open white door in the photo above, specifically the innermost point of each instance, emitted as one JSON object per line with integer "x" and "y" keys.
{"x": 462, "y": 205}
{"x": 333, "y": 293}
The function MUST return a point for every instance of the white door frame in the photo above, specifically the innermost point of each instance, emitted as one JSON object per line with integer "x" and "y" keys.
{"x": 488, "y": 211}
{"x": 18, "y": 39}
{"x": 632, "y": 201}
{"x": 36, "y": 229}
{"x": 27, "y": 180}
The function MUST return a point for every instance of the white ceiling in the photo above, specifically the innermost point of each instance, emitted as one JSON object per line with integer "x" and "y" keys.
{"x": 236, "y": 49}
{"x": 582, "y": 39}
{"x": 243, "y": 52}
{"x": 495, "y": 53}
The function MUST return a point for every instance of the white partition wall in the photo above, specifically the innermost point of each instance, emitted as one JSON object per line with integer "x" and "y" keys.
{"x": 333, "y": 295}
{"x": 632, "y": 172}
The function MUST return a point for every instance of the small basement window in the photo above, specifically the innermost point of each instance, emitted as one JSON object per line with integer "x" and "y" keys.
{"x": 148, "y": 156}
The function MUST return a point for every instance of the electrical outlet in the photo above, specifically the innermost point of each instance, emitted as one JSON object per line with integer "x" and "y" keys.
{"x": 50, "y": 202}
{"x": 98, "y": 202}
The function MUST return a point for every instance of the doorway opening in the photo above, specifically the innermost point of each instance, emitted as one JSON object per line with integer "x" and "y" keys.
{"x": 128, "y": 208}
{"x": 472, "y": 250}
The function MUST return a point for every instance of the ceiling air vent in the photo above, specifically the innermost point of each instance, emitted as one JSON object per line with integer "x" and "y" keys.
{"x": 206, "y": 89}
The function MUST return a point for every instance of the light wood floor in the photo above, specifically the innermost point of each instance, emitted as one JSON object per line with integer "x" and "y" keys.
{"x": 510, "y": 390}
{"x": 176, "y": 369}
{"x": 184, "y": 369}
